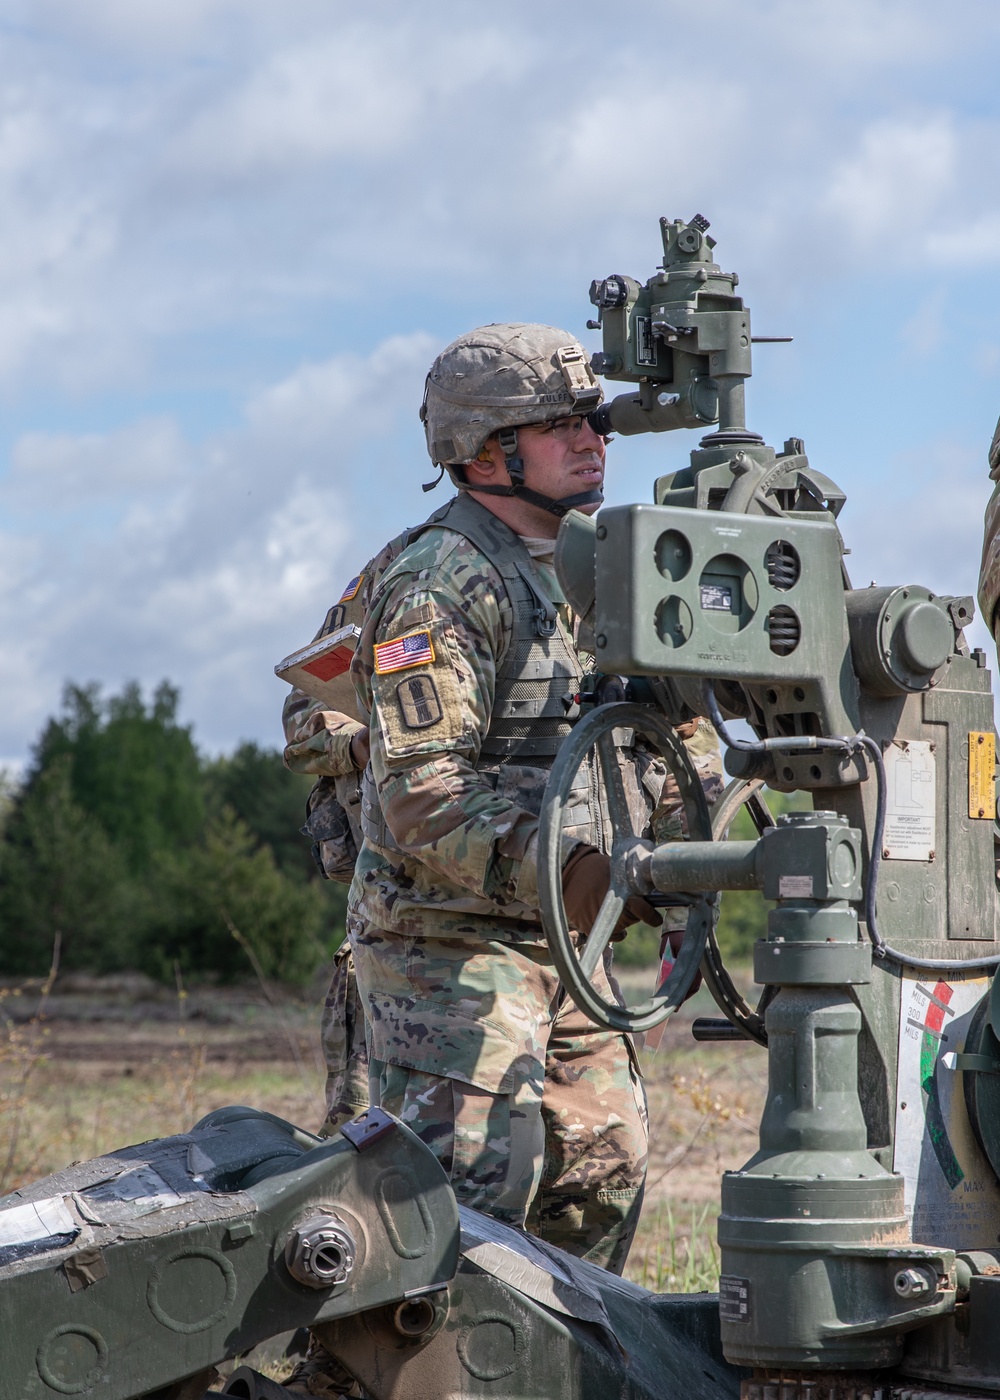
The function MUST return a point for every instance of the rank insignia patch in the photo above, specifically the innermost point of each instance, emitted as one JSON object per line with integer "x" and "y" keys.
{"x": 419, "y": 702}
{"x": 351, "y": 591}
{"x": 413, "y": 650}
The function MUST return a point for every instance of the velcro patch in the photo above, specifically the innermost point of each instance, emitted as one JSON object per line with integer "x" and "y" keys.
{"x": 415, "y": 649}
{"x": 421, "y": 711}
{"x": 351, "y": 591}
{"x": 419, "y": 701}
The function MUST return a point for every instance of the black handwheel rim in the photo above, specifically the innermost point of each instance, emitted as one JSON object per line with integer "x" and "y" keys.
{"x": 737, "y": 1010}
{"x": 572, "y": 754}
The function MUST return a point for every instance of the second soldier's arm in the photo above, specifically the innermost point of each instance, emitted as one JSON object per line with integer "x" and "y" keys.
{"x": 317, "y": 740}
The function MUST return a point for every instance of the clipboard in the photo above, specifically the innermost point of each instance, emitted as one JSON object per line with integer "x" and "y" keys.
{"x": 323, "y": 670}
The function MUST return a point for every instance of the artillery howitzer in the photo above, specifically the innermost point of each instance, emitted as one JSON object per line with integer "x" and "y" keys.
{"x": 859, "y": 1245}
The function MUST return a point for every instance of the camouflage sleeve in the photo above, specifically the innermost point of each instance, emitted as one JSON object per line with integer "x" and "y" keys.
{"x": 317, "y": 740}
{"x": 989, "y": 572}
{"x": 428, "y": 661}
{"x": 702, "y": 746}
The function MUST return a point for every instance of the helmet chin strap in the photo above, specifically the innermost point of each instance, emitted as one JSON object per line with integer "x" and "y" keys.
{"x": 507, "y": 438}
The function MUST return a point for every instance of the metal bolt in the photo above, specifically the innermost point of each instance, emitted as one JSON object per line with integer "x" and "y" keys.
{"x": 911, "y": 1283}
{"x": 413, "y": 1317}
{"x": 320, "y": 1253}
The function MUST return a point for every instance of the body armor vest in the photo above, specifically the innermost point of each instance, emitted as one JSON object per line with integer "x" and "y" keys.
{"x": 536, "y": 685}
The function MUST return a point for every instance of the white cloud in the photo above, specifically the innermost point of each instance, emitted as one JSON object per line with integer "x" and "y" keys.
{"x": 236, "y": 213}
{"x": 900, "y": 176}
{"x": 923, "y": 520}
{"x": 354, "y": 94}
{"x": 74, "y": 469}
{"x": 173, "y": 170}
{"x": 146, "y": 556}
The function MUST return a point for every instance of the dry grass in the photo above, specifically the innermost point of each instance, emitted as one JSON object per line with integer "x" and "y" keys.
{"x": 73, "y": 1086}
{"x": 81, "y": 1074}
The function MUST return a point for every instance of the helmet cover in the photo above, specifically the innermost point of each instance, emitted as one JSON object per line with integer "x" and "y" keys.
{"x": 502, "y": 376}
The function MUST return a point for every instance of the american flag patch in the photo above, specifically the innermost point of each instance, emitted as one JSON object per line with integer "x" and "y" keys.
{"x": 414, "y": 650}
{"x": 351, "y": 591}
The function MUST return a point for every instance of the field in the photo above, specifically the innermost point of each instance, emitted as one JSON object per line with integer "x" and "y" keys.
{"x": 95, "y": 1064}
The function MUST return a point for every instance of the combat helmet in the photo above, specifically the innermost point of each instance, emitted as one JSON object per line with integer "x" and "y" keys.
{"x": 497, "y": 379}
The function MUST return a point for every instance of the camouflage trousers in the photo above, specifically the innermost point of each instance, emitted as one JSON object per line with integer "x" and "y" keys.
{"x": 537, "y": 1115}
{"x": 345, "y": 1049}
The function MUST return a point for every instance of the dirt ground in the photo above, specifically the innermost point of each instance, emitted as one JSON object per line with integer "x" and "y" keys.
{"x": 121, "y": 1060}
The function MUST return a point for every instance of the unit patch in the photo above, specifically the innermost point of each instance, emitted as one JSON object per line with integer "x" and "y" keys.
{"x": 419, "y": 701}
{"x": 420, "y": 711}
{"x": 416, "y": 649}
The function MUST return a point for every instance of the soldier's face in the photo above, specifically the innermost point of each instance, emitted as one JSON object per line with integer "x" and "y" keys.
{"x": 562, "y": 458}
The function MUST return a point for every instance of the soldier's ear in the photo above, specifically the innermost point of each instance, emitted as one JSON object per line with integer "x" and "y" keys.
{"x": 484, "y": 469}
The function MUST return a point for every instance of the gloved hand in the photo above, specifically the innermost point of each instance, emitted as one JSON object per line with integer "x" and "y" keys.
{"x": 361, "y": 749}
{"x": 670, "y": 946}
{"x": 586, "y": 879}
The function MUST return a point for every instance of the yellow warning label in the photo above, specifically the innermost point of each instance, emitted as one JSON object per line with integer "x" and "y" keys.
{"x": 982, "y": 775}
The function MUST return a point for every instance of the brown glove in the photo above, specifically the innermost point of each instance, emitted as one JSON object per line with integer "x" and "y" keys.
{"x": 672, "y": 941}
{"x": 586, "y": 879}
{"x": 361, "y": 748}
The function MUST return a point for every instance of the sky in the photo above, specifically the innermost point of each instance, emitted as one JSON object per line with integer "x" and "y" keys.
{"x": 235, "y": 233}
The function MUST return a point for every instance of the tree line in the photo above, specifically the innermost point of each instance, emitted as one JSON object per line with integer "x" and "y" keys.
{"x": 138, "y": 852}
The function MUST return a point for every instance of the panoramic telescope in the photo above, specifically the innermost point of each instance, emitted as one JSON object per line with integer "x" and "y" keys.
{"x": 860, "y": 1245}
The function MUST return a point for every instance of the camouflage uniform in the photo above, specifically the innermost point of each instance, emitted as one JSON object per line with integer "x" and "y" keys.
{"x": 989, "y": 574}
{"x": 318, "y": 741}
{"x": 536, "y": 1114}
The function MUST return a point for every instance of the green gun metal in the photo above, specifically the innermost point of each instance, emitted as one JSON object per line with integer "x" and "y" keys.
{"x": 859, "y": 1243}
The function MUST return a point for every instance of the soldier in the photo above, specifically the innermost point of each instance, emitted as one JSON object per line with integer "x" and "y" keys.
{"x": 334, "y": 747}
{"x": 989, "y": 574}
{"x": 466, "y": 664}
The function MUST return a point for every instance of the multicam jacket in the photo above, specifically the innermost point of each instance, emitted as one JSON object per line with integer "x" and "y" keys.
{"x": 318, "y": 740}
{"x": 451, "y": 806}
{"x": 989, "y": 574}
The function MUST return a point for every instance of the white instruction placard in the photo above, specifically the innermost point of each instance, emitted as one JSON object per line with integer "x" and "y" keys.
{"x": 911, "y": 782}
{"x": 948, "y": 1184}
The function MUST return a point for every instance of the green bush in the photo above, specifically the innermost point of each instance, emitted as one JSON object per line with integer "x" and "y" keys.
{"x": 136, "y": 852}
{"x": 223, "y": 907}
{"x": 61, "y": 877}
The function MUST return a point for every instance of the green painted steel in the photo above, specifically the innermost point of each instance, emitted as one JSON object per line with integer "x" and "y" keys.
{"x": 860, "y": 1242}
{"x": 736, "y": 577}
